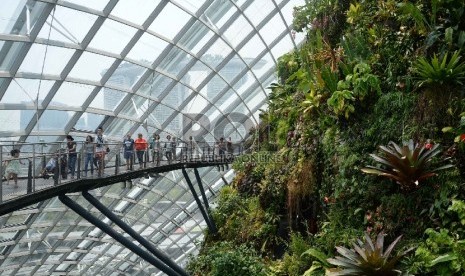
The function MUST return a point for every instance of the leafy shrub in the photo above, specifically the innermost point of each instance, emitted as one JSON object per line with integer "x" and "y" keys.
{"x": 395, "y": 211}
{"x": 251, "y": 170}
{"x": 443, "y": 252}
{"x": 294, "y": 263}
{"x": 225, "y": 258}
{"x": 356, "y": 87}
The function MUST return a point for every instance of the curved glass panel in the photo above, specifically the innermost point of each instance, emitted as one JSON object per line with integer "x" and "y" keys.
{"x": 67, "y": 25}
{"x": 176, "y": 67}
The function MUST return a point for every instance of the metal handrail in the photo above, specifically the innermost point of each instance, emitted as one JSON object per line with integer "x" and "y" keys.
{"x": 34, "y": 173}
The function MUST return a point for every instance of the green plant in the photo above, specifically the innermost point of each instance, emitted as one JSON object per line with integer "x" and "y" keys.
{"x": 439, "y": 71}
{"x": 407, "y": 165}
{"x": 356, "y": 87}
{"x": 458, "y": 131}
{"x": 367, "y": 258}
{"x": 443, "y": 252}
{"x": 318, "y": 265}
{"x": 226, "y": 258}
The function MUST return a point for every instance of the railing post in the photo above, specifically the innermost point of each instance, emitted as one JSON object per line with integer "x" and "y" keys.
{"x": 29, "y": 177}
{"x": 34, "y": 166}
{"x": 1, "y": 173}
{"x": 133, "y": 157}
{"x": 146, "y": 157}
{"x": 78, "y": 165}
{"x": 116, "y": 163}
{"x": 181, "y": 158}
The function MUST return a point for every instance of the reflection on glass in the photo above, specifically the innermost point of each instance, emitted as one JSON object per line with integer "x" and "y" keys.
{"x": 148, "y": 49}
{"x": 135, "y": 11}
{"x": 67, "y": 25}
{"x": 170, "y": 21}
{"x": 49, "y": 60}
{"x": 94, "y": 4}
{"x": 53, "y": 120}
{"x": 119, "y": 35}
{"x": 93, "y": 71}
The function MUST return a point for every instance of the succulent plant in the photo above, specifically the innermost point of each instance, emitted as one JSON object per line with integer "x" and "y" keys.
{"x": 367, "y": 258}
{"x": 407, "y": 165}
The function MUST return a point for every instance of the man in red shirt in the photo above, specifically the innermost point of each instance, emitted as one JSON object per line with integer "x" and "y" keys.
{"x": 140, "y": 145}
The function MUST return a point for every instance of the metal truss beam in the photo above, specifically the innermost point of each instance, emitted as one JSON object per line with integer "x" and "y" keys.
{"x": 128, "y": 229}
{"x": 117, "y": 236}
{"x": 208, "y": 219}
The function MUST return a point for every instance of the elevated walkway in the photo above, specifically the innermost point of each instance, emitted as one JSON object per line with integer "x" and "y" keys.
{"x": 32, "y": 189}
{"x": 46, "y": 189}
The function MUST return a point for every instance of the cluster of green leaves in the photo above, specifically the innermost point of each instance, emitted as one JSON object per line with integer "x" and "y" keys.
{"x": 226, "y": 258}
{"x": 356, "y": 87}
{"x": 294, "y": 261}
{"x": 443, "y": 252}
{"x": 242, "y": 220}
{"x": 459, "y": 131}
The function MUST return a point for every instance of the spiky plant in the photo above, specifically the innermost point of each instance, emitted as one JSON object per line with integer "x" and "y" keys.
{"x": 440, "y": 70}
{"x": 367, "y": 258}
{"x": 408, "y": 165}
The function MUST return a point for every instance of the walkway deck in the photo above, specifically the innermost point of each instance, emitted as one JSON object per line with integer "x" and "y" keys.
{"x": 15, "y": 198}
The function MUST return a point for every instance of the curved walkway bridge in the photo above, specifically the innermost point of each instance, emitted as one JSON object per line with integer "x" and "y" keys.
{"x": 33, "y": 188}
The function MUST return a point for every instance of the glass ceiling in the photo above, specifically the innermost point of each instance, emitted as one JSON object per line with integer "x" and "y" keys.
{"x": 151, "y": 66}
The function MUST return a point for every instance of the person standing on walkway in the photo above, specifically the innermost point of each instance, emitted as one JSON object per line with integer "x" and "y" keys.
{"x": 72, "y": 155}
{"x": 168, "y": 149}
{"x": 141, "y": 147}
{"x": 151, "y": 147}
{"x": 190, "y": 148}
{"x": 100, "y": 151}
{"x": 156, "y": 150}
{"x": 128, "y": 146}
{"x": 89, "y": 149}
{"x": 173, "y": 147}
{"x": 221, "y": 148}
{"x": 229, "y": 148}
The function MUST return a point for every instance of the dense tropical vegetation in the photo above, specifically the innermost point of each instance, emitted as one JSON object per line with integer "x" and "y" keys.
{"x": 364, "y": 136}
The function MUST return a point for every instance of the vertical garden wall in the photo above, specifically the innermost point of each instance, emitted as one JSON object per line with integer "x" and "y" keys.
{"x": 363, "y": 138}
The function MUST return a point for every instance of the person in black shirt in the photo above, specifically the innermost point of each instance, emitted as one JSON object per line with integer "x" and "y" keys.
{"x": 128, "y": 145}
{"x": 72, "y": 155}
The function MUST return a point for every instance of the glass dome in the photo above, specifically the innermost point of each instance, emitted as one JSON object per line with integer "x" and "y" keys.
{"x": 175, "y": 67}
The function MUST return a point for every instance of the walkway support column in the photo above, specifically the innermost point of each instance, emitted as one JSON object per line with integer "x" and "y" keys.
{"x": 210, "y": 225}
{"x": 204, "y": 197}
{"x": 117, "y": 236}
{"x": 128, "y": 229}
